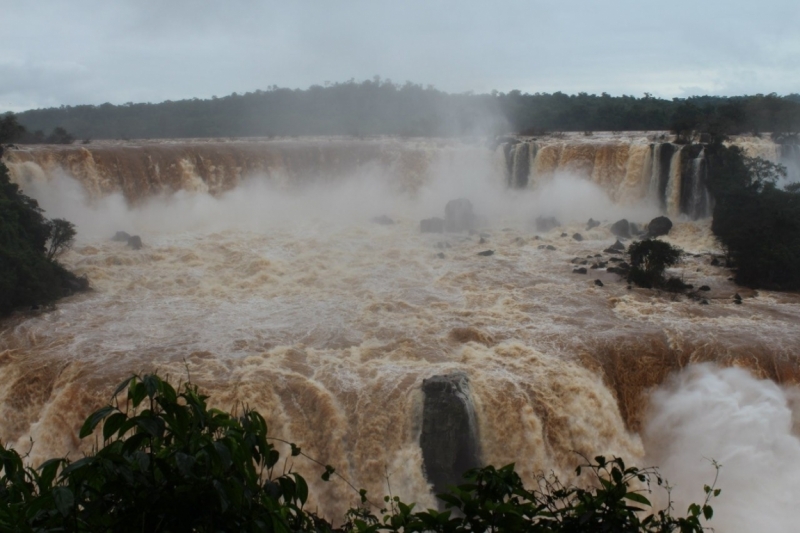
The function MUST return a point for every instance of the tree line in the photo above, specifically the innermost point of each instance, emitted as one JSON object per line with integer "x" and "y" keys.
{"x": 381, "y": 107}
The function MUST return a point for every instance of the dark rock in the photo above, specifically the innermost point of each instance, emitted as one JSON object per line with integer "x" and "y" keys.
{"x": 601, "y": 264}
{"x": 737, "y": 299}
{"x": 598, "y": 283}
{"x": 383, "y": 220}
{"x": 563, "y": 234}
{"x": 432, "y": 225}
{"x": 135, "y": 242}
{"x": 615, "y": 248}
{"x": 688, "y": 286}
{"x": 715, "y": 262}
{"x": 659, "y": 226}
{"x": 458, "y": 216}
{"x": 621, "y": 228}
{"x": 482, "y": 241}
{"x": 440, "y": 255}
{"x": 536, "y": 237}
{"x": 624, "y": 266}
{"x": 449, "y": 439}
{"x": 577, "y": 236}
{"x": 121, "y": 236}
{"x": 592, "y": 224}
{"x": 703, "y": 302}
{"x": 576, "y": 260}
{"x": 581, "y": 270}
{"x": 486, "y": 253}
{"x": 615, "y": 259}
{"x": 546, "y": 223}
{"x": 704, "y": 288}
{"x": 618, "y": 271}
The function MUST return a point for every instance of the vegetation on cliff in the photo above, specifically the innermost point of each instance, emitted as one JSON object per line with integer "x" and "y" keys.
{"x": 29, "y": 245}
{"x": 380, "y": 107}
{"x": 168, "y": 462}
{"x": 757, "y": 221}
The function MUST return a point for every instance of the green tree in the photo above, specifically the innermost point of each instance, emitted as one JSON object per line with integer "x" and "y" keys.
{"x": 29, "y": 274}
{"x": 649, "y": 260}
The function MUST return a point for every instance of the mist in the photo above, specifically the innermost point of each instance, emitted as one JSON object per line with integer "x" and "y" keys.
{"x": 263, "y": 201}
{"x": 745, "y": 424}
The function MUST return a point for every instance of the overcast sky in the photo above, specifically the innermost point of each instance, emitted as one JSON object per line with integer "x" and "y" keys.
{"x": 93, "y": 51}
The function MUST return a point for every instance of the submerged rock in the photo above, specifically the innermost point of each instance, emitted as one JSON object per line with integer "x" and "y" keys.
{"x": 121, "y": 236}
{"x": 449, "y": 439}
{"x": 135, "y": 242}
{"x": 615, "y": 248}
{"x": 383, "y": 220}
{"x": 486, "y": 253}
{"x": 577, "y": 236}
{"x": 546, "y": 223}
{"x": 432, "y": 225}
{"x": 458, "y": 216}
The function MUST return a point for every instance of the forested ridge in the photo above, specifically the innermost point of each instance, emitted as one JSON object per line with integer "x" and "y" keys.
{"x": 380, "y": 107}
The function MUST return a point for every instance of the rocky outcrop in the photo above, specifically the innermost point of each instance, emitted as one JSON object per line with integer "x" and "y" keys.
{"x": 621, "y": 228}
{"x": 432, "y": 225}
{"x": 592, "y": 224}
{"x": 615, "y": 248}
{"x": 449, "y": 439}
{"x": 121, "y": 236}
{"x": 135, "y": 242}
{"x": 459, "y": 216}
{"x": 658, "y": 226}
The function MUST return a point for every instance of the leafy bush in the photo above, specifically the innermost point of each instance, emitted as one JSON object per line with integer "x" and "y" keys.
{"x": 649, "y": 260}
{"x": 29, "y": 243}
{"x": 170, "y": 463}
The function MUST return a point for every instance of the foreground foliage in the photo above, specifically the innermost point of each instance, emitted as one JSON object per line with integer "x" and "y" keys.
{"x": 169, "y": 463}
{"x": 29, "y": 246}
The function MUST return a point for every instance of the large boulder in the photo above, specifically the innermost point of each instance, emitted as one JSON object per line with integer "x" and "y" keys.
{"x": 621, "y": 228}
{"x": 432, "y": 225}
{"x": 458, "y": 216}
{"x": 592, "y": 224}
{"x": 135, "y": 242}
{"x": 449, "y": 439}
{"x": 658, "y": 226}
{"x": 121, "y": 236}
{"x": 546, "y": 223}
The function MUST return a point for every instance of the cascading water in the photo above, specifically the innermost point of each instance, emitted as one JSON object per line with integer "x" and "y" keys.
{"x": 262, "y": 274}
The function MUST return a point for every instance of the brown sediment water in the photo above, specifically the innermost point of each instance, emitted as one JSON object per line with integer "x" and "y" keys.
{"x": 263, "y": 280}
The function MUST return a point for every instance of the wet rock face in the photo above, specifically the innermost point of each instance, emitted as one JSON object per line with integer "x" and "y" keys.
{"x": 449, "y": 439}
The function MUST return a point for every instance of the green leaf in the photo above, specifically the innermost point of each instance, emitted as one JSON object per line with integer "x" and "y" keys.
{"x": 295, "y": 449}
{"x": 638, "y": 498}
{"x": 94, "y": 419}
{"x": 64, "y": 500}
{"x": 302, "y": 488}
{"x": 112, "y": 424}
{"x": 708, "y": 512}
{"x": 122, "y": 386}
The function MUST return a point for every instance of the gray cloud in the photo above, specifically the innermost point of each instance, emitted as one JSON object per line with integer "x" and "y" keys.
{"x": 89, "y": 51}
